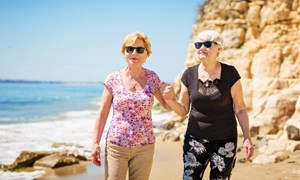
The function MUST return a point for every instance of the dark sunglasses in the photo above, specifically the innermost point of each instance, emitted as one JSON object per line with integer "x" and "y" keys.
{"x": 130, "y": 49}
{"x": 206, "y": 44}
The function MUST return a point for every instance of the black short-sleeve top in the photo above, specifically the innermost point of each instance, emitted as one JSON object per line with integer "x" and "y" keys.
{"x": 212, "y": 115}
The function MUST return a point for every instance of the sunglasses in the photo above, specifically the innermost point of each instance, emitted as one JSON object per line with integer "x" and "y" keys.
{"x": 130, "y": 49}
{"x": 206, "y": 44}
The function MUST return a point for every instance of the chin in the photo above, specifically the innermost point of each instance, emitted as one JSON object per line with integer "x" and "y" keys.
{"x": 201, "y": 57}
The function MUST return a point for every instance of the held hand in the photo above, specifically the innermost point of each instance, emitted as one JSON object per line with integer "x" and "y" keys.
{"x": 96, "y": 155}
{"x": 168, "y": 92}
{"x": 163, "y": 86}
{"x": 249, "y": 150}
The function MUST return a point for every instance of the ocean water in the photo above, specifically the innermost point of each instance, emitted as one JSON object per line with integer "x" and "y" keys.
{"x": 33, "y": 116}
{"x": 26, "y": 102}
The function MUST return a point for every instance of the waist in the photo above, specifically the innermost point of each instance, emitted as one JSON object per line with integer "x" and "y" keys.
{"x": 212, "y": 129}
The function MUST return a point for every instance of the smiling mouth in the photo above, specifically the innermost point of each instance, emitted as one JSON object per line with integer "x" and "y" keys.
{"x": 134, "y": 59}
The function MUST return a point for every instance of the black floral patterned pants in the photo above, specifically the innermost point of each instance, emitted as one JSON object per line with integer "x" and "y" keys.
{"x": 198, "y": 152}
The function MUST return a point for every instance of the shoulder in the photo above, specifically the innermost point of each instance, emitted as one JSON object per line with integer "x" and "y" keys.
{"x": 112, "y": 76}
{"x": 230, "y": 73}
{"x": 189, "y": 75}
{"x": 191, "y": 70}
{"x": 153, "y": 80}
{"x": 151, "y": 73}
{"x": 228, "y": 67}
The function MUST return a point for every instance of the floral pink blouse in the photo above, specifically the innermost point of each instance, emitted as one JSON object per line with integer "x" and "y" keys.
{"x": 131, "y": 123}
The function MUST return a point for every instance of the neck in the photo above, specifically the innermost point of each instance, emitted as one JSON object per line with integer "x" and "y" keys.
{"x": 209, "y": 67}
{"x": 133, "y": 72}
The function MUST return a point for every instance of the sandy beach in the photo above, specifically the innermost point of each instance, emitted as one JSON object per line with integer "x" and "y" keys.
{"x": 76, "y": 128}
{"x": 168, "y": 165}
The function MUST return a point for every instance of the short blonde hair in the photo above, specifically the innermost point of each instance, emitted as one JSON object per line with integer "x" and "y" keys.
{"x": 210, "y": 35}
{"x": 132, "y": 37}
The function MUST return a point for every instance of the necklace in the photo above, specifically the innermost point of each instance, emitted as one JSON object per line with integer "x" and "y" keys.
{"x": 207, "y": 75}
{"x": 208, "y": 83}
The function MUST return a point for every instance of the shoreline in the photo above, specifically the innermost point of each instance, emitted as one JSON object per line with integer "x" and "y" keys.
{"x": 167, "y": 154}
{"x": 167, "y": 164}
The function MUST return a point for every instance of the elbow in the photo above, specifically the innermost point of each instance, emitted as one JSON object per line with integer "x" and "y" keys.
{"x": 239, "y": 108}
{"x": 240, "y": 111}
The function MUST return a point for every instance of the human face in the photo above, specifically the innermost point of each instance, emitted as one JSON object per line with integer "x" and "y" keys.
{"x": 206, "y": 49}
{"x": 134, "y": 57}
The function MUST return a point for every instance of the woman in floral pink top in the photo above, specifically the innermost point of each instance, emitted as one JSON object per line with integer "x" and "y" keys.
{"x": 130, "y": 91}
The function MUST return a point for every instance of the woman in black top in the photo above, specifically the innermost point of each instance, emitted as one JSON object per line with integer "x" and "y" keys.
{"x": 211, "y": 93}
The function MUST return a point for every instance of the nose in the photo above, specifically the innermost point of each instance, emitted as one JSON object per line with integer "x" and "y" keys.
{"x": 202, "y": 46}
{"x": 134, "y": 51}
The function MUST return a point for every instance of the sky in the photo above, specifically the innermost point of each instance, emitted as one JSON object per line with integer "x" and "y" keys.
{"x": 80, "y": 40}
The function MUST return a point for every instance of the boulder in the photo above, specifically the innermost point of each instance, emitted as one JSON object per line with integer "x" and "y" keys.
{"x": 27, "y": 159}
{"x": 56, "y": 160}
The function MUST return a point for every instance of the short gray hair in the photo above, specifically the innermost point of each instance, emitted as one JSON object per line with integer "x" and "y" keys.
{"x": 209, "y": 35}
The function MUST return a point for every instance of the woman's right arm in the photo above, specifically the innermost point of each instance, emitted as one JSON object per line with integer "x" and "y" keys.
{"x": 182, "y": 107}
{"x": 103, "y": 113}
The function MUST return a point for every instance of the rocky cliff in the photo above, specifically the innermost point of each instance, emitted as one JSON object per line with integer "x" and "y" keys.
{"x": 262, "y": 40}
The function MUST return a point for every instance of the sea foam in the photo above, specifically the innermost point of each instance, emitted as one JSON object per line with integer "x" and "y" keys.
{"x": 75, "y": 127}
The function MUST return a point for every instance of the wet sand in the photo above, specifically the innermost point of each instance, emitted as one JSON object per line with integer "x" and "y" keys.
{"x": 168, "y": 165}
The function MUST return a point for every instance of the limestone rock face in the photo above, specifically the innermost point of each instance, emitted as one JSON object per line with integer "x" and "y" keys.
{"x": 262, "y": 40}
{"x": 292, "y": 127}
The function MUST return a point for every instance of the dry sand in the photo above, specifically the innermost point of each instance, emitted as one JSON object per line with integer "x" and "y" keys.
{"x": 168, "y": 165}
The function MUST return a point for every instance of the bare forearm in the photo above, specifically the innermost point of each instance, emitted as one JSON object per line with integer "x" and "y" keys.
{"x": 98, "y": 130}
{"x": 100, "y": 123}
{"x": 102, "y": 115}
{"x": 178, "y": 108}
{"x": 242, "y": 116}
{"x": 243, "y": 119}
{"x": 166, "y": 106}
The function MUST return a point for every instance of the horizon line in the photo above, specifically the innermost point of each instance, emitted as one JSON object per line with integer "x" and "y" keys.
{"x": 47, "y": 81}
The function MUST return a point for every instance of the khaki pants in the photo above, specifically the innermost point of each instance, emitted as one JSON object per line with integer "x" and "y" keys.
{"x": 137, "y": 160}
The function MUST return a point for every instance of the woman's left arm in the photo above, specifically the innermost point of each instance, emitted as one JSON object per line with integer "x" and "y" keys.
{"x": 242, "y": 116}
